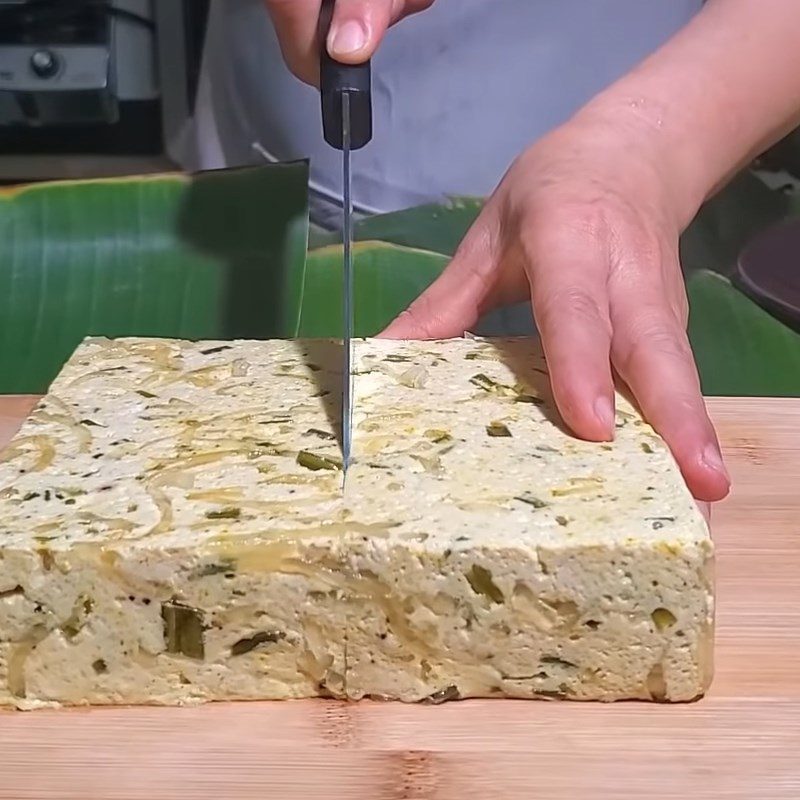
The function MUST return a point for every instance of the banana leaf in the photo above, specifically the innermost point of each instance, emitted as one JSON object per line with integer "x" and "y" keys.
{"x": 222, "y": 255}
{"x": 386, "y": 278}
{"x": 217, "y": 255}
{"x": 438, "y": 228}
{"x": 740, "y": 349}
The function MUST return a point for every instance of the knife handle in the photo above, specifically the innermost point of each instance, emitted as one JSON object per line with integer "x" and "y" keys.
{"x": 336, "y": 79}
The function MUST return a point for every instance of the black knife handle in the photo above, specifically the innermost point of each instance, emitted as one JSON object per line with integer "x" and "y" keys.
{"x": 336, "y": 79}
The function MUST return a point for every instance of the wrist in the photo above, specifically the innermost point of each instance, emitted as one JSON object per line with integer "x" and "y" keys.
{"x": 712, "y": 98}
{"x": 662, "y": 145}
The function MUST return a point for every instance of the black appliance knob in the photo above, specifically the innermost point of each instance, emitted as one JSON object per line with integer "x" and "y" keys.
{"x": 44, "y": 63}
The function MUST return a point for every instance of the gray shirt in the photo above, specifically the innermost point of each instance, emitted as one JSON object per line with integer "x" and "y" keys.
{"x": 458, "y": 91}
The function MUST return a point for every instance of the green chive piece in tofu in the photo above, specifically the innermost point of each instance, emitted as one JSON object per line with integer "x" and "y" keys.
{"x": 229, "y": 512}
{"x": 663, "y": 618}
{"x": 498, "y": 429}
{"x": 480, "y": 579}
{"x": 444, "y": 695}
{"x": 252, "y": 642}
{"x": 531, "y": 500}
{"x": 321, "y": 434}
{"x": 316, "y": 462}
{"x": 438, "y": 436}
{"x": 183, "y": 630}
{"x": 484, "y": 382}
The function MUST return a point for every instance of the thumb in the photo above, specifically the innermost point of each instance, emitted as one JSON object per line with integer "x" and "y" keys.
{"x": 357, "y": 28}
{"x": 456, "y": 299}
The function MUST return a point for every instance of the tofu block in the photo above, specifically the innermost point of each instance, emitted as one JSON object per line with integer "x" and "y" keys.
{"x": 173, "y": 529}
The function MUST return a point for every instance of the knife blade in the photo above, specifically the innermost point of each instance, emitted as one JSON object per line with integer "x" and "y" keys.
{"x": 346, "y": 97}
{"x": 347, "y": 287}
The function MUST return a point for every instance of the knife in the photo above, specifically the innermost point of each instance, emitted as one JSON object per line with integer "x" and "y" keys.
{"x": 346, "y": 96}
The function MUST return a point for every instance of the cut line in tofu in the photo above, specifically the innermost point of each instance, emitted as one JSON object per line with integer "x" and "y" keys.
{"x": 173, "y": 530}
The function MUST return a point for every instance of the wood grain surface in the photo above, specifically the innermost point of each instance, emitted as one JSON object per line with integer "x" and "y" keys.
{"x": 742, "y": 742}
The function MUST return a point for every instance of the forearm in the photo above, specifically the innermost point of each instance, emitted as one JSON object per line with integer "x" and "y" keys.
{"x": 716, "y": 95}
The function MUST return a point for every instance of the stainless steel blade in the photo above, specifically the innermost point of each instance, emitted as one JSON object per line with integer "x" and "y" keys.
{"x": 347, "y": 369}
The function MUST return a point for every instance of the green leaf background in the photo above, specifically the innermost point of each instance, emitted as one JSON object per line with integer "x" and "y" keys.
{"x": 199, "y": 257}
{"x": 230, "y": 254}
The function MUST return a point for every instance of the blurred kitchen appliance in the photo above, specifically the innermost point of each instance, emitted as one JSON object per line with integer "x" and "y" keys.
{"x": 79, "y": 76}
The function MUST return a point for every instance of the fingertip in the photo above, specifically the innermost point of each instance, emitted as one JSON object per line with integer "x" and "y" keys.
{"x": 348, "y": 41}
{"x": 706, "y": 476}
{"x": 712, "y": 485}
{"x": 394, "y": 330}
{"x": 653, "y": 356}
{"x": 605, "y": 415}
{"x": 713, "y": 461}
{"x": 357, "y": 28}
{"x": 708, "y": 487}
{"x": 424, "y": 319}
{"x": 589, "y": 419}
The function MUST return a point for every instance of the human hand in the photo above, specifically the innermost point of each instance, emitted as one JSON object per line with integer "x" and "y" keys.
{"x": 357, "y": 28}
{"x": 585, "y": 224}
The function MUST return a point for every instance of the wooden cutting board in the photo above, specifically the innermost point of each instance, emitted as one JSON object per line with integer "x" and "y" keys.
{"x": 742, "y": 742}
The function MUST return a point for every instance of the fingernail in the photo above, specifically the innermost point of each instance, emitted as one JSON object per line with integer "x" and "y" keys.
{"x": 350, "y": 37}
{"x": 604, "y": 411}
{"x": 712, "y": 458}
